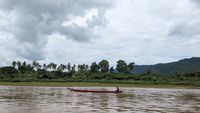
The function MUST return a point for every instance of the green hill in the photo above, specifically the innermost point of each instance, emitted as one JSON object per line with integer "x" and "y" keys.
{"x": 181, "y": 66}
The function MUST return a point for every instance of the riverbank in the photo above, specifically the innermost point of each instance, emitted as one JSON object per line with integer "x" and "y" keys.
{"x": 93, "y": 84}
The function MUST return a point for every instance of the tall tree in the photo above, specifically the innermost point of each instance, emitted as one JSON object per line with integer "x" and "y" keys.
{"x": 38, "y": 66}
{"x": 44, "y": 66}
{"x": 73, "y": 68}
{"x": 122, "y": 66}
{"x": 111, "y": 70}
{"x": 86, "y": 67}
{"x": 64, "y": 67}
{"x": 82, "y": 68}
{"x": 24, "y": 64}
{"x": 54, "y": 66}
{"x": 34, "y": 64}
{"x": 18, "y": 64}
{"x": 49, "y": 66}
{"x": 131, "y": 66}
{"x": 69, "y": 67}
{"x": 61, "y": 67}
{"x": 14, "y": 64}
{"x": 94, "y": 67}
{"x": 104, "y": 66}
{"x": 29, "y": 68}
{"x": 23, "y": 67}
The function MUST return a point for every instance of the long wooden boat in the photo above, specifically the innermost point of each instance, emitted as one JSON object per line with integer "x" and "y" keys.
{"x": 93, "y": 91}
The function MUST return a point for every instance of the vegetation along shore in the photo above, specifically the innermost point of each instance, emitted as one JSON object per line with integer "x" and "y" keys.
{"x": 96, "y": 74}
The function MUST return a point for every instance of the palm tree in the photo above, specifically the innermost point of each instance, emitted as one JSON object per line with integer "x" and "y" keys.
{"x": 34, "y": 64}
{"x": 68, "y": 67}
{"x": 86, "y": 67}
{"x": 29, "y": 68}
{"x": 64, "y": 67}
{"x": 49, "y": 66}
{"x": 61, "y": 67}
{"x": 81, "y": 68}
{"x": 14, "y": 63}
{"x": 18, "y": 64}
{"x": 24, "y": 64}
{"x": 73, "y": 68}
{"x": 54, "y": 66}
{"x": 44, "y": 66}
{"x": 38, "y": 66}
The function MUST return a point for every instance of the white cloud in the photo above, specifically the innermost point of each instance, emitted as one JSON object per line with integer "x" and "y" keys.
{"x": 144, "y": 31}
{"x": 140, "y": 30}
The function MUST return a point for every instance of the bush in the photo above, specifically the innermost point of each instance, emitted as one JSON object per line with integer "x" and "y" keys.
{"x": 8, "y": 70}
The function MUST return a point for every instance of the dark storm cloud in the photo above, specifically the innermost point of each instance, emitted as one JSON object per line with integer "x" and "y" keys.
{"x": 35, "y": 19}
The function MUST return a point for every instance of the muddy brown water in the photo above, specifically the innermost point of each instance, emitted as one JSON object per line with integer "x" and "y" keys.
{"x": 26, "y": 99}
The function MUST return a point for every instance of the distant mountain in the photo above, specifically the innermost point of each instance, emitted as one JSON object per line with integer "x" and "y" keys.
{"x": 181, "y": 66}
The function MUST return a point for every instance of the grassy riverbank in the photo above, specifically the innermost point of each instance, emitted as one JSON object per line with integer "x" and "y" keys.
{"x": 93, "y": 84}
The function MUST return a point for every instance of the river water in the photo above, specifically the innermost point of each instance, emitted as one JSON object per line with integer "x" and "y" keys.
{"x": 25, "y": 99}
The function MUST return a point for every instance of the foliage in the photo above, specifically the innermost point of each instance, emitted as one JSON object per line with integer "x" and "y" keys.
{"x": 131, "y": 66}
{"x": 104, "y": 66}
{"x": 8, "y": 70}
{"x": 122, "y": 67}
{"x": 94, "y": 67}
{"x": 22, "y": 71}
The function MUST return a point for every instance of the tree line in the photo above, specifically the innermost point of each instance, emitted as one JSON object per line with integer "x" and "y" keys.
{"x": 95, "y": 72}
{"x": 53, "y": 70}
{"x": 103, "y": 66}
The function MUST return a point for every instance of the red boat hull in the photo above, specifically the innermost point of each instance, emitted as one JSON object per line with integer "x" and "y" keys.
{"x": 92, "y": 91}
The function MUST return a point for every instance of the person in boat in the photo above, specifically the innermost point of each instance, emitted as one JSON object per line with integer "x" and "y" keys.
{"x": 117, "y": 89}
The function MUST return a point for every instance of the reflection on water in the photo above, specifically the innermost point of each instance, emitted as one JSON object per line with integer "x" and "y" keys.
{"x": 60, "y": 100}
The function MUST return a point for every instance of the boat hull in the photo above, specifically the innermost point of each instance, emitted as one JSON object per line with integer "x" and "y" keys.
{"x": 93, "y": 91}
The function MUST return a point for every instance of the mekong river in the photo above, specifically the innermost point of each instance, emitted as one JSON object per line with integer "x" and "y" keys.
{"x": 27, "y": 99}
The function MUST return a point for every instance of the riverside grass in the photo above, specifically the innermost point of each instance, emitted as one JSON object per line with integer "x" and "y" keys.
{"x": 96, "y": 84}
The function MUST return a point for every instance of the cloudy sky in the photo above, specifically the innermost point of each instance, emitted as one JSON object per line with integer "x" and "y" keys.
{"x": 83, "y": 31}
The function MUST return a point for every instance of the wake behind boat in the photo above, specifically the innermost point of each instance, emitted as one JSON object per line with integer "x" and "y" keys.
{"x": 95, "y": 91}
